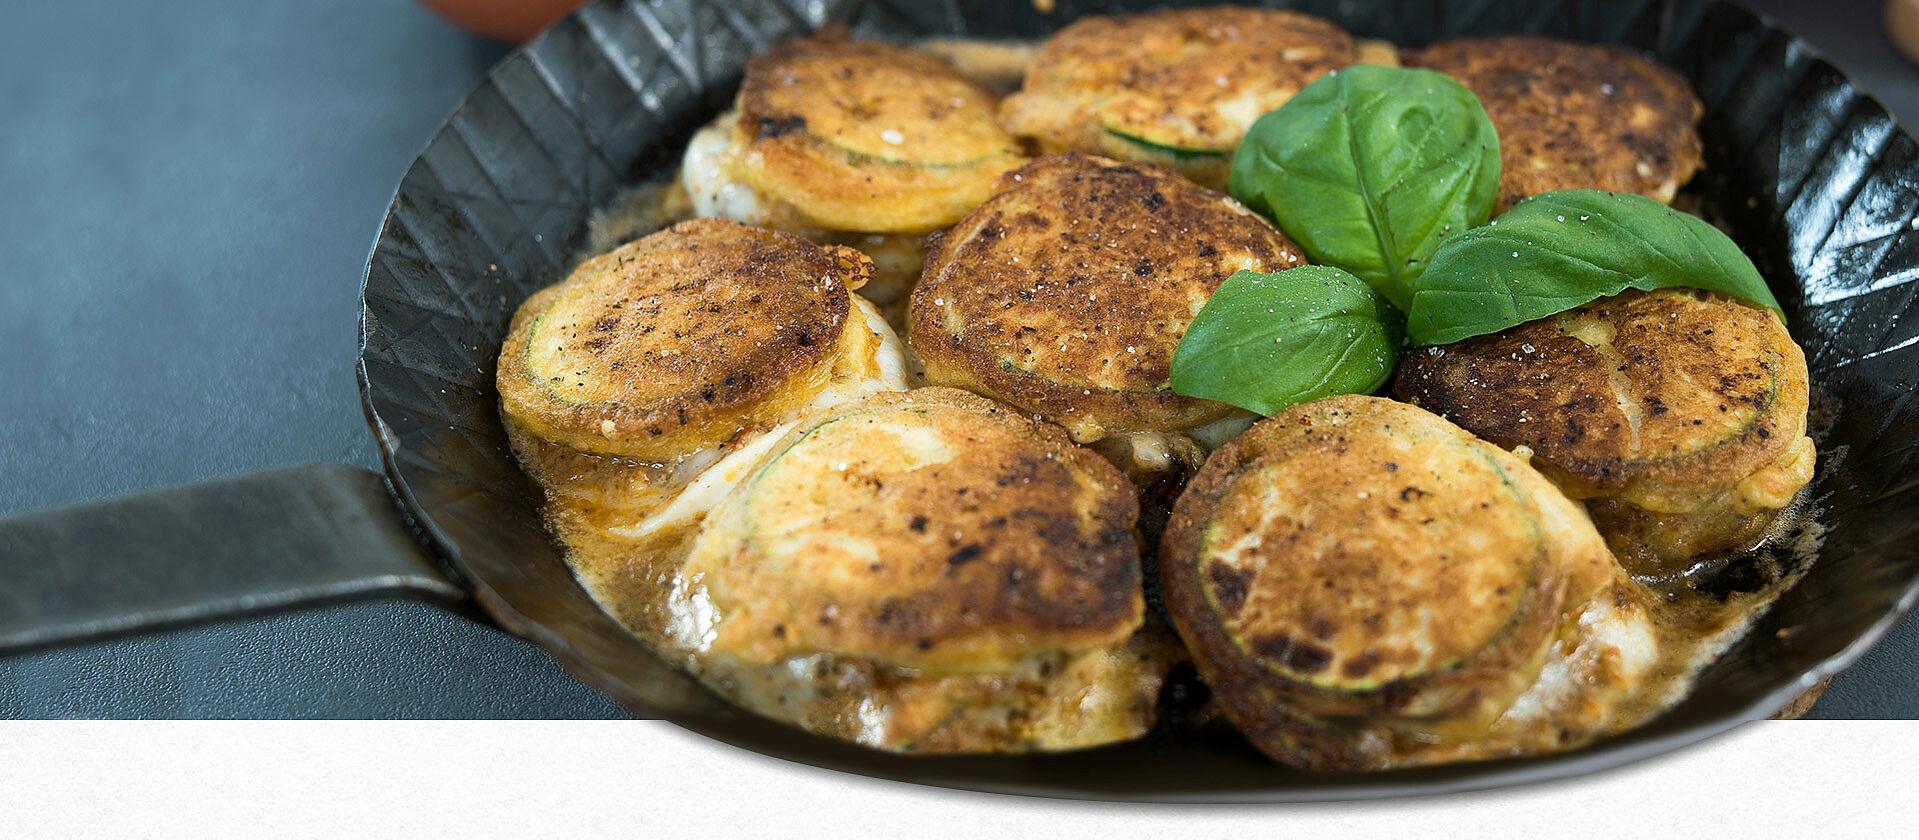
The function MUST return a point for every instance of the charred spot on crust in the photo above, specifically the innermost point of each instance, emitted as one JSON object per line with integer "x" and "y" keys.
{"x": 1359, "y": 666}
{"x": 780, "y": 126}
{"x": 965, "y": 554}
{"x": 1295, "y": 655}
{"x": 1229, "y": 586}
{"x": 1395, "y": 695}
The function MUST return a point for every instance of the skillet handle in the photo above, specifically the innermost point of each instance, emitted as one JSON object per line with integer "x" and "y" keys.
{"x": 253, "y": 543}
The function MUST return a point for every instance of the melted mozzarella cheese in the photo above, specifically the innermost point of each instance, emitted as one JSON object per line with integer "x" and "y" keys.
{"x": 1614, "y": 651}
{"x": 1221, "y": 432}
{"x": 703, "y": 174}
{"x": 1149, "y": 452}
{"x": 887, "y": 371}
{"x": 705, "y": 491}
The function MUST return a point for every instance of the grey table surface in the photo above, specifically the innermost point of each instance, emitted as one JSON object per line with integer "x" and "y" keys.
{"x": 188, "y": 192}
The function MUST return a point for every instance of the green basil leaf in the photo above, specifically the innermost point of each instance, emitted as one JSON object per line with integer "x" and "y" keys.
{"x": 1558, "y": 250}
{"x": 1369, "y": 168}
{"x": 1267, "y": 341}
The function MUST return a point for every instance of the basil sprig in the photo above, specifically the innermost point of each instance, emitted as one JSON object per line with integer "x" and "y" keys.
{"x": 1369, "y": 168}
{"x": 1267, "y": 341}
{"x": 1563, "y": 249}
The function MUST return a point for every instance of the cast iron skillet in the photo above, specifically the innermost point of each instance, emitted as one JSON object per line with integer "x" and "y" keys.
{"x": 1814, "y": 180}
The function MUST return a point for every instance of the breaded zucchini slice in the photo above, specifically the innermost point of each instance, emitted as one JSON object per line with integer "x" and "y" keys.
{"x": 712, "y": 190}
{"x": 1175, "y": 87}
{"x": 930, "y": 529}
{"x": 864, "y": 136}
{"x": 1066, "y": 292}
{"x": 1679, "y": 415}
{"x": 676, "y": 341}
{"x": 920, "y": 538}
{"x": 1365, "y": 585}
{"x": 1573, "y": 116}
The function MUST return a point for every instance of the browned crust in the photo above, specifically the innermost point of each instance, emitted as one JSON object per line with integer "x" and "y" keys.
{"x": 1057, "y": 702}
{"x": 1066, "y": 292}
{"x": 1333, "y": 554}
{"x": 1188, "y": 78}
{"x": 865, "y": 136}
{"x": 1715, "y": 389}
{"x": 677, "y": 340}
{"x": 1574, "y": 116}
{"x": 1044, "y": 708}
{"x": 1010, "y": 543}
{"x": 1665, "y": 545}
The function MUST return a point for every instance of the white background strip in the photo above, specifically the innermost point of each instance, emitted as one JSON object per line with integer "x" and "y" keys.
{"x": 279, "y": 779}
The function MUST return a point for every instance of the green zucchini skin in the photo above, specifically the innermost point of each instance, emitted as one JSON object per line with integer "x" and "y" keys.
{"x": 1175, "y": 153}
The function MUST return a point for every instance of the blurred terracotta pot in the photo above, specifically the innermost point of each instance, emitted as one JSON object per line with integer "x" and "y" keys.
{"x": 502, "y": 20}
{"x": 1902, "y": 26}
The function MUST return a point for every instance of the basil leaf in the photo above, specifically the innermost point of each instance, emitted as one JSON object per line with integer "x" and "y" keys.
{"x": 1267, "y": 341}
{"x": 1370, "y": 167}
{"x": 1558, "y": 250}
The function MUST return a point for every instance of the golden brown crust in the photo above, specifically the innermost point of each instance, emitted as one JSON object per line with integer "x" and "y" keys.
{"x": 1087, "y": 699}
{"x": 1354, "y": 560}
{"x": 1664, "y": 545}
{"x": 1666, "y": 399}
{"x": 675, "y": 341}
{"x": 1681, "y": 414}
{"x": 1574, "y": 116}
{"x": 927, "y": 529}
{"x": 1057, "y": 701}
{"x": 864, "y": 136}
{"x": 1066, "y": 292}
{"x": 1192, "y": 79}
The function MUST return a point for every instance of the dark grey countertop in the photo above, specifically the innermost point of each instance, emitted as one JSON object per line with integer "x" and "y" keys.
{"x": 187, "y": 195}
